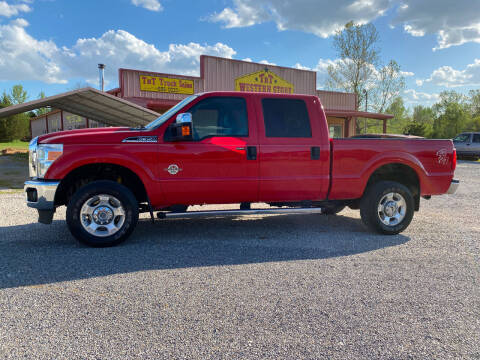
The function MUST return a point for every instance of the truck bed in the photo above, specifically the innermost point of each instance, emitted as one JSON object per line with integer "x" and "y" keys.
{"x": 353, "y": 161}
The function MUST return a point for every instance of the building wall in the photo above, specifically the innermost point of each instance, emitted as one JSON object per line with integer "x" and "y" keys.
{"x": 38, "y": 126}
{"x": 337, "y": 100}
{"x": 54, "y": 121}
{"x": 219, "y": 74}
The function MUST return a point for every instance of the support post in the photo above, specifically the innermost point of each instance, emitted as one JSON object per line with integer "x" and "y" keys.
{"x": 385, "y": 126}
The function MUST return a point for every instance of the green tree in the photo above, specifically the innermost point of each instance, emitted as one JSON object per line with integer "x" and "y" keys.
{"x": 14, "y": 127}
{"x": 356, "y": 47}
{"x": 415, "y": 128}
{"x": 423, "y": 118}
{"x": 43, "y": 110}
{"x": 401, "y": 117}
{"x": 451, "y": 121}
{"x": 359, "y": 71}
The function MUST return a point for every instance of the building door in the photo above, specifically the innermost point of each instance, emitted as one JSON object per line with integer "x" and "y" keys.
{"x": 294, "y": 151}
{"x": 215, "y": 166}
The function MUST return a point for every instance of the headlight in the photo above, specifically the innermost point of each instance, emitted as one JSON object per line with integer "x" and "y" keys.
{"x": 32, "y": 157}
{"x": 42, "y": 156}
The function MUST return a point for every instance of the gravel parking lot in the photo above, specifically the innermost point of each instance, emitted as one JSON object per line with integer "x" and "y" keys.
{"x": 254, "y": 287}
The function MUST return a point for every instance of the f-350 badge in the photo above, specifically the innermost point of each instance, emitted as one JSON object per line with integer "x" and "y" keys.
{"x": 173, "y": 169}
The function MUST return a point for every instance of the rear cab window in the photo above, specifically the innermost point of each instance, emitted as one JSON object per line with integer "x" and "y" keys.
{"x": 476, "y": 138}
{"x": 286, "y": 118}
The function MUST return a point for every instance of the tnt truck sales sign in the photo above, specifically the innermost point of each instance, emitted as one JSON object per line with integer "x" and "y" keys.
{"x": 166, "y": 85}
{"x": 263, "y": 81}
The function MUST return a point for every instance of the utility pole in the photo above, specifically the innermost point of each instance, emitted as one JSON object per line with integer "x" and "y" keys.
{"x": 101, "y": 76}
{"x": 366, "y": 110}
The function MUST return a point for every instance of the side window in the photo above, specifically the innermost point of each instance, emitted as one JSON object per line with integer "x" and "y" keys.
{"x": 219, "y": 116}
{"x": 476, "y": 138}
{"x": 462, "y": 138}
{"x": 286, "y": 118}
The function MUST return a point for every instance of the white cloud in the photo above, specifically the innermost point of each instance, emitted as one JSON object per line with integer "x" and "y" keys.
{"x": 9, "y": 10}
{"x": 454, "y": 22}
{"x": 301, "y": 67}
{"x": 23, "y": 57}
{"x": 152, "y": 5}
{"x": 406, "y": 73}
{"x": 304, "y": 15}
{"x": 449, "y": 77}
{"x": 413, "y": 97}
{"x": 266, "y": 62}
{"x": 244, "y": 14}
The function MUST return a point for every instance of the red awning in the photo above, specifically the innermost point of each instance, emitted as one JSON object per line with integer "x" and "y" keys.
{"x": 355, "y": 113}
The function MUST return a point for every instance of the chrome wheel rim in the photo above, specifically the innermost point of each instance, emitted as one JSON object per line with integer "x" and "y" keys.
{"x": 392, "y": 209}
{"x": 102, "y": 215}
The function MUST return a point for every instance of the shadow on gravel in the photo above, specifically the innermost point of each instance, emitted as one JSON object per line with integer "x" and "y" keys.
{"x": 37, "y": 254}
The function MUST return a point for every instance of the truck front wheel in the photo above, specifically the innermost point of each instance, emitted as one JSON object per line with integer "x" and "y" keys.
{"x": 102, "y": 213}
{"x": 387, "y": 207}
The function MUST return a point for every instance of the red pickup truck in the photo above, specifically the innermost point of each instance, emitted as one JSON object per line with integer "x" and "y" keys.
{"x": 231, "y": 147}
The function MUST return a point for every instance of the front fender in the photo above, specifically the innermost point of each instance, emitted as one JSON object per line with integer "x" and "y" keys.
{"x": 138, "y": 159}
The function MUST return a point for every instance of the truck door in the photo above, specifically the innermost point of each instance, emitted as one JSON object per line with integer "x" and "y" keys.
{"x": 217, "y": 166}
{"x": 294, "y": 149}
{"x": 475, "y": 144}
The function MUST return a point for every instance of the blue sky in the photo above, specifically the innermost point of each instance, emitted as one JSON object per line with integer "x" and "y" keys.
{"x": 53, "y": 45}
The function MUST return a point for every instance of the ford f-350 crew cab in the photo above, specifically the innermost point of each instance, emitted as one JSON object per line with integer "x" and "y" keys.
{"x": 231, "y": 147}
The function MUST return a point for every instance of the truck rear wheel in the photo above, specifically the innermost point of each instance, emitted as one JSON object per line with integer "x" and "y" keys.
{"x": 387, "y": 207}
{"x": 102, "y": 213}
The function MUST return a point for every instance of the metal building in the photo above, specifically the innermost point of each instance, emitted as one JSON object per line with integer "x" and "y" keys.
{"x": 159, "y": 91}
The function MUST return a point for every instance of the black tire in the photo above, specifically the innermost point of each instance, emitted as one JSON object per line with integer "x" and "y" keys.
{"x": 118, "y": 191}
{"x": 370, "y": 202}
{"x": 332, "y": 209}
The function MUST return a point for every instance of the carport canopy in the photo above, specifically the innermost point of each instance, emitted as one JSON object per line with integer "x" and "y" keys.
{"x": 92, "y": 104}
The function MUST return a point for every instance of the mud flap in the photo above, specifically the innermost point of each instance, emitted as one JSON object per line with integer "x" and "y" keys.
{"x": 45, "y": 216}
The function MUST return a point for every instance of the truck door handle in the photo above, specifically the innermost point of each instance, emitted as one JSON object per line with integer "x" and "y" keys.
{"x": 315, "y": 153}
{"x": 251, "y": 153}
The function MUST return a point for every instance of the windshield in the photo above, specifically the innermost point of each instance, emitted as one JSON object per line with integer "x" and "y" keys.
{"x": 166, "y": 115}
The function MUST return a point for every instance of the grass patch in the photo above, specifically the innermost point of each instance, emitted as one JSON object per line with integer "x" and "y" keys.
{"x": 11, "y": 191}
{"x": 15, "y": 144}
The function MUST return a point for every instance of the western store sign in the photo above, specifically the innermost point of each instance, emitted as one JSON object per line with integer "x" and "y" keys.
{"x": 263, "y": 81}
{"x": 166, "y": 85}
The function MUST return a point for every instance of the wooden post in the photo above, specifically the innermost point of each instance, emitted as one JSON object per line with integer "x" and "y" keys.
{"x": 46, "y": 122}
{"x": 385, "y": 126}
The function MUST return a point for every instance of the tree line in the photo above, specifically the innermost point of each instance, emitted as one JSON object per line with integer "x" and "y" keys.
{"x": 17, "y": 127}
{"x": 379, "y": 87}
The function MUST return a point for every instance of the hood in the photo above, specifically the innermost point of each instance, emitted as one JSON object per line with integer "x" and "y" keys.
{"x": 104, "y": 135}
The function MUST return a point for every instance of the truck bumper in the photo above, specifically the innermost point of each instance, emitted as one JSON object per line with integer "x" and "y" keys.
{"x": 41, "y": 195}
{"x": 453, "y": 186}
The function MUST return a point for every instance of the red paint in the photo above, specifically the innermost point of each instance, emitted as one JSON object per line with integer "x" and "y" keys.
{"x": 216, "y": 170}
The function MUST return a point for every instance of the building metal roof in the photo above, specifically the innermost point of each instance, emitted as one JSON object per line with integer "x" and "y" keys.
{"x": 356, "y": 113}
{"x": 92, "y": 104}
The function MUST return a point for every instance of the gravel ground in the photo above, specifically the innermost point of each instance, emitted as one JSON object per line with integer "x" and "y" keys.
{"x": 254, "y": 287}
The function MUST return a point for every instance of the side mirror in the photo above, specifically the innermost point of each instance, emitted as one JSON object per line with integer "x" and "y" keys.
{"x": 181, "y": 129}
{"x": 184, "y": 118}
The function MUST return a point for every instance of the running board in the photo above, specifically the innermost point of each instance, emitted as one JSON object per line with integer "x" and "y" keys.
{"x": 235, "y": 212}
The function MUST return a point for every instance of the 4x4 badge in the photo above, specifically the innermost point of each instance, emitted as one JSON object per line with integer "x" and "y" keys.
{"x": 173, "y": 169}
